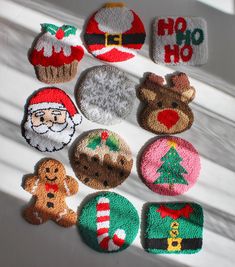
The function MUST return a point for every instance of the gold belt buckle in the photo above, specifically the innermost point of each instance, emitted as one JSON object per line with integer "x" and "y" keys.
{"x": 113, "y": 39}
{"x": 174, "y": 244}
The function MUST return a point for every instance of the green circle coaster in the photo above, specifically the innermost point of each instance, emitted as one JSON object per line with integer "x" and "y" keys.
{"x": 108, "y": 222}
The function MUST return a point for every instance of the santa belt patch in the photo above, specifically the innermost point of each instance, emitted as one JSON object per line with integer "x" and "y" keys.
{"x": 114, "y": 39}
{"x": 173, "y": 244}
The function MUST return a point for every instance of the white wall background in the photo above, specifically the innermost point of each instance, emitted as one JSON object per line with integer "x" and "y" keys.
{"x": 49, "y": 245}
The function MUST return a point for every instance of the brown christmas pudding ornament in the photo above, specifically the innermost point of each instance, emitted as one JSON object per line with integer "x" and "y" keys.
{"x": 102, "y": 159}
{"x": 166, "y": 108}
{"x": 49, "y": 186}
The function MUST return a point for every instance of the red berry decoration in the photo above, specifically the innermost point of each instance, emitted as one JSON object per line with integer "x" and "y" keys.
{"x": 104, "y": 135}
{"x": 59, "y": 34}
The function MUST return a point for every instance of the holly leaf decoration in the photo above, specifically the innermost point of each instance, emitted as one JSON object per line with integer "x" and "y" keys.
{"x": 94, "y": 142}
{"x": 112, "y": 143}
{"x": 51, "y": 28}
{"x": 68, "y": 29}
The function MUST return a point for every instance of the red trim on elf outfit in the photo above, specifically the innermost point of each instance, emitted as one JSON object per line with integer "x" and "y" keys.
{"x": 175, "y": 214}
{"x": 57, "y": 59}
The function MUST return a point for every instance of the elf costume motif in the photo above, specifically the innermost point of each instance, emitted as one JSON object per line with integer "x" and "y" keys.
{"x": 56, "y": 53}
{"x": 173, "y": 228}
{"x": 102, "y": 159}
{"x": 108, "y": 222}
{"x": 114, "y": 33}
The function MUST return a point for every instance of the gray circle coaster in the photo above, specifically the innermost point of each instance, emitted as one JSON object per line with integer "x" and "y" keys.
{"x": 106, "y": 95}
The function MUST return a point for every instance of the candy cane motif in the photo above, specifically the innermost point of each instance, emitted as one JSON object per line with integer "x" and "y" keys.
{"x": 103, "y": 223}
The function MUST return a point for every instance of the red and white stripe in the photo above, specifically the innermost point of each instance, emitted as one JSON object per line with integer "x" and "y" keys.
{"x": 103, "y": 224}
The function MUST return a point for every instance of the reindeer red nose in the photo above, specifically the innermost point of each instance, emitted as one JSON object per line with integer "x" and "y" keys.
{"x": 59, "y": 34}
{"x": 168, "y": 117}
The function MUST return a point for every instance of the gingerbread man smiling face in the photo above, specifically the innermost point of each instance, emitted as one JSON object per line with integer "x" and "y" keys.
{"x": 49, "y": 187}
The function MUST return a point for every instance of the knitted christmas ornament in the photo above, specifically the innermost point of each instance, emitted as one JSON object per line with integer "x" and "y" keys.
{"x": 106, "y": 95}
{"x": 166, "y": 108}
{"x": 114, "y": 33}
{"x": 102, "y": 159}
{"x": 56, "y": 53}
{"x": 173, "y": 228}
{"x": 180, "y": 41}
{"x": 49, "y": 187}
{"x": 170, "y": 166}
{"x": 108, "y": 222}
{"x": 50, "y": 120}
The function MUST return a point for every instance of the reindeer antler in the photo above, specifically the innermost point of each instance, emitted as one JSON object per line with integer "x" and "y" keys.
{"x": 155, "y": 79}
{"x": 181, "y": 85}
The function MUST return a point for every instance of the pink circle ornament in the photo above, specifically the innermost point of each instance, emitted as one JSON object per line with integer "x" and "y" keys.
{"x": 170, "y": 166}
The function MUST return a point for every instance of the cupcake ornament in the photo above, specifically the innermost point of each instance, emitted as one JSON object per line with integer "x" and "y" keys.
{"x": 56, "y": 53}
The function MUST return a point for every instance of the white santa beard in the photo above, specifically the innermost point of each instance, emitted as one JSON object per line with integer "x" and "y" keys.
{"x": 114, "y": 20}
{"x": 48, "y": 41}
{"x": 50, "y": 140}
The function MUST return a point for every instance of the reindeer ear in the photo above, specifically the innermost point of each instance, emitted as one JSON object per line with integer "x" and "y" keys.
{"x": 181, "y": 85}
{"x": 149, "y": 90}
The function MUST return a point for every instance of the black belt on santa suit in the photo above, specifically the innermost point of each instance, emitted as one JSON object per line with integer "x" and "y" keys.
{"x": 114, "y": 39}
{"x": 161, "y": 243}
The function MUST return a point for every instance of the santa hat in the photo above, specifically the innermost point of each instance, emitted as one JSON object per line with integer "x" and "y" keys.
{"x": 54, "y": 98}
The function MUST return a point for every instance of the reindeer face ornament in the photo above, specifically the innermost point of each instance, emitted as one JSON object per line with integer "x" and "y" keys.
{"x": 166, "y": 108}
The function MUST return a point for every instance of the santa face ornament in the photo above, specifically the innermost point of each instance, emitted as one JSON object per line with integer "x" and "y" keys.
{"x": 50, "y": 120}
{"x": 114, "y": 33}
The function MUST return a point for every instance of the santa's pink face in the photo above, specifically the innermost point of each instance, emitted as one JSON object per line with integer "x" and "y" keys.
{"x": 49, "y": 129}
{"x": 48, "y": 117}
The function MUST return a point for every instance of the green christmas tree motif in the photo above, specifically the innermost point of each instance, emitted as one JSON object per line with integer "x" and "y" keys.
{"x": 108, "y": 140}
{"x": 171, "y": 172}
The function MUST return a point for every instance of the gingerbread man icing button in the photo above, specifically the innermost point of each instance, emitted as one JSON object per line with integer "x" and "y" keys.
{"x": 49, "y": 187}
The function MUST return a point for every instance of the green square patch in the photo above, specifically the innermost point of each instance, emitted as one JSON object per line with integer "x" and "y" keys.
{"x": 173, "y": 228}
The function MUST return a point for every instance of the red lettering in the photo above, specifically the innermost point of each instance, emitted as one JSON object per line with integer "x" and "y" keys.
{"x": 189, "y": 52}
{"x": 169, "y": 52}
{"x": 163, "y": 25}
{"x": 180, "y": 24}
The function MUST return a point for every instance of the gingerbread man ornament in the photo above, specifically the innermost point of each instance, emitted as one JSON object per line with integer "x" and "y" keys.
{"x": 49, "y": 187}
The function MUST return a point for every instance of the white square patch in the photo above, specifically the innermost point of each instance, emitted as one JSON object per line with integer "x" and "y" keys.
{"x": 180, "y": 40}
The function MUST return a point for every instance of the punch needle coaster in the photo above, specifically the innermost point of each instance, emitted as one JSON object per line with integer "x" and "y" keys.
{"x": 114, "y": 33}
{"x": 106, "y": 95}
{"x": 56, "y": 53}
{"x": 173, "y": 228}
{"x": 166, "y": 109}
{"x": 50, "y": 120}
{"x": 180, "y": 40}
{"x": 102, "y": 159}
{"x": 170, "y": 166}
{"x": 108, "y": 222}
{"x": 49, "y": 186}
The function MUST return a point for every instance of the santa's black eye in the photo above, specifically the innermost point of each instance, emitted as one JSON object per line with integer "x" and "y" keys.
{"x": 41, "y": 119}
{"x": 55, "y": 118}
{"x": 159, "y": 104}
{"x": 174, "y": 104}
{"x": 56, "y": 169}
{"x": 47, "y": 169}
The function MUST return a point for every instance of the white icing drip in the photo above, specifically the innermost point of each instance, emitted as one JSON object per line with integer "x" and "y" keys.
{"x": 35, "y": 186}
{"x": 66, "y": 188}
{"x": 48, "y": 41}
{"x": 61, "y": 214}
{"x": 37, "y": 216}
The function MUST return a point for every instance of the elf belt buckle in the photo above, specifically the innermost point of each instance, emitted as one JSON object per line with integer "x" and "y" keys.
{"x": 113, "y": 39}
{"x": 174, "y": 244}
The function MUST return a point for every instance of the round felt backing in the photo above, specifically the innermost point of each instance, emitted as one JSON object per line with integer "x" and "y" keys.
{"x": 102, "y": 159}
{"x": 170, "y": 166}
{"x": 108, "y": 222}
{"x": 106, "y": 95}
